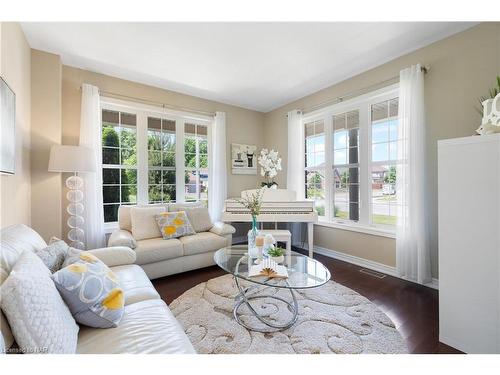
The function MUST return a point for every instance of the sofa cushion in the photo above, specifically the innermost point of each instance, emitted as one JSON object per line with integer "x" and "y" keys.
{"x": 199, "y": 219}
{"x": 202, "y": 243}
{"x": 13, "y": 241}
{"x": 135, "y": 284}
{"x": 39, "y": 319}
{"x": 146, "y": 327}
{"x": 157, "y": 249}
{"x": 124, "y": 220}
{"x": 91, "y": 291}
{"x": 174, "y": 207}
{"x": 144, "y": 224}
{"x": 174, "y": 225}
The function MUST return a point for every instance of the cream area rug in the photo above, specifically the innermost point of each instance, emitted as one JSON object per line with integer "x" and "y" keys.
{"x": 332, "y": 319}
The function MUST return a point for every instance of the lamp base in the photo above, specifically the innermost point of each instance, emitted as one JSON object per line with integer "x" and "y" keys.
{"x": 75, "y": 209}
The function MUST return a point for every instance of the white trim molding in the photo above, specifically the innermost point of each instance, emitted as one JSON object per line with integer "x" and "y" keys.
{"x": 365, "y": 263}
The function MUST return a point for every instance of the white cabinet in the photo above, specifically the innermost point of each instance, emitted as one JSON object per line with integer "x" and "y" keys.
{"x": 469, "y": 243}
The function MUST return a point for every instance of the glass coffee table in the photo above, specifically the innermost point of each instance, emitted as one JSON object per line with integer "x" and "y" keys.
{"x": 303, "y": 273}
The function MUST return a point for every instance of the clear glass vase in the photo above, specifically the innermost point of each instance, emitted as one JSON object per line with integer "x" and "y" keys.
{"x": 252, "y": 235}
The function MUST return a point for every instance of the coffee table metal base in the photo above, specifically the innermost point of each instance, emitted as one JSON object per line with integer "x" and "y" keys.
{"x": 244, "y": 298}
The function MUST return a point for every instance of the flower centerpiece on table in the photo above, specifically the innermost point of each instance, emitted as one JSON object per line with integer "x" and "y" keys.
{"x": 253, "y": 203}
{"x": 270, "y": 165}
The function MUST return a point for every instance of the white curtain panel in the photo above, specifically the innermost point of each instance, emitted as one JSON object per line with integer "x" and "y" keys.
{"x": 90, "y": 136}
{"x": 412, "y": 232}
{"x": 295, "y": 162}
{"x": 217, "y": 189}
{"x": 295, "y": 166}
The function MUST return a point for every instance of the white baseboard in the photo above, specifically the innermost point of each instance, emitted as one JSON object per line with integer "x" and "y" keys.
{"x": 365, "y": 263}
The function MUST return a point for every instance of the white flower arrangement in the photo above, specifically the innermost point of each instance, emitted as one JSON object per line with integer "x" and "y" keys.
{"x": 270, "y": 165}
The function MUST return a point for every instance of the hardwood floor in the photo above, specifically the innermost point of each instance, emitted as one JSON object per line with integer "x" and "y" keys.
{"x": 413, "y": 308}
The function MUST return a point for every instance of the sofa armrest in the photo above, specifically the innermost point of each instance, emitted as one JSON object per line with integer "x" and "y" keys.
{"x": 222, "y": 229}
{"x": 115, "y": 256}
{"x": 122, "y": 237}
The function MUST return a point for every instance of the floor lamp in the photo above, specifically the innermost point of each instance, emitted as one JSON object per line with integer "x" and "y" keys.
{"x": 73, "y": 159}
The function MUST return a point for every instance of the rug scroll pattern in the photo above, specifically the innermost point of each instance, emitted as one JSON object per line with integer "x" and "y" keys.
{"x": 332, "y": 319}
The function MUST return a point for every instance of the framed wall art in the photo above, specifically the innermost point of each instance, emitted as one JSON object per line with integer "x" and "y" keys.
{"x": 243, "y": 159}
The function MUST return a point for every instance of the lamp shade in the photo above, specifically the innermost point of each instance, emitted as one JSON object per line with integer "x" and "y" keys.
{"x": 71, "y": 159}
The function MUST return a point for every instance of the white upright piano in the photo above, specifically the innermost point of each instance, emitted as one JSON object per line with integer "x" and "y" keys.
{"x": 278, "y": 206}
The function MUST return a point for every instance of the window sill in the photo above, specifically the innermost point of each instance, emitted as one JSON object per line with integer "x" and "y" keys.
{"x": 375, "y": 231}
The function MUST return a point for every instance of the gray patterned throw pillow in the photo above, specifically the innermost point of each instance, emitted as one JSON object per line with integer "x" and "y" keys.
{"x": 53, "y": 255}
{"x": 174, "y": 225}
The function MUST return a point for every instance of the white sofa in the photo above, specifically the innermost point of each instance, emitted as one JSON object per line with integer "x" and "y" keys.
{"x": 147, "y": 326}
{"x": 159, "y": 257}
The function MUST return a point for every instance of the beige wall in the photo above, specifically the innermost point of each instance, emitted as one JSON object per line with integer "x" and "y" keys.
{"x": 381, "y": 249}
{"x": 46, "y": 130}
{"x": 463, "y": 67}
{"x": 242, "y": 125}
{"x": 15, "y": 68}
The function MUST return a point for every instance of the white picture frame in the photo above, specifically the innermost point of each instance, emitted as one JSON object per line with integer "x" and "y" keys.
{"x": 7, "y": 129}
{"x": 243, "y": 159}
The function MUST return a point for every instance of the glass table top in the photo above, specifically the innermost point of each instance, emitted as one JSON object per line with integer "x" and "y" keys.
{"x": 303, "y": 272}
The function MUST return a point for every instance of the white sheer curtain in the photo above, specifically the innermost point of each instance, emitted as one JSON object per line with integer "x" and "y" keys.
{"x": 217, "y": 189}
{"x": 90, "y": 136}
{"x": 412, "y": 233}
{"x": 295, "y": 162}
{"x": 295, "y": 165}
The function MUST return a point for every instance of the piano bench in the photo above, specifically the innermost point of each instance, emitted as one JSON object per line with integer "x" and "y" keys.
{"x": 280, "y": 236}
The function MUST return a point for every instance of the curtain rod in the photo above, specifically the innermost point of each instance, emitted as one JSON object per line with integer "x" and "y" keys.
{"x": 110, "y": 94}
{"x": 425, "y": 69}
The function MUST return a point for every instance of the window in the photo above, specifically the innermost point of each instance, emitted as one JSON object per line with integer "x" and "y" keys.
{"x": 196, "y": 162}
{"x": 161, "y": 160}
{"x": 346, "y": 165}
{"x": 150, "y": 156}
{"x": 119, "y": 159}
{"x": 384, "y": 129}
{"x": 351, "y": 159}
{"x": 315, "y": 164}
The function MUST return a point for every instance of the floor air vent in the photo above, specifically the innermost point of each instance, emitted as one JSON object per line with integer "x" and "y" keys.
{"x": 376, "y": 274}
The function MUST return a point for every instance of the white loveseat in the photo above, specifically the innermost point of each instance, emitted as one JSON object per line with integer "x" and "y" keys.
{"x": 147, "y": 325}
{"x": 159, "y": 257}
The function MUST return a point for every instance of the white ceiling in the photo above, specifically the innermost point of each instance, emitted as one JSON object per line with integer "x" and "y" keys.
{"x": 259, "y": 66}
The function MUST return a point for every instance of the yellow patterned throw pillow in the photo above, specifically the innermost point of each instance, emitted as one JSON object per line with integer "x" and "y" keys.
{"x": 174, "y": 224}
{"x": 91, "y": 291}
